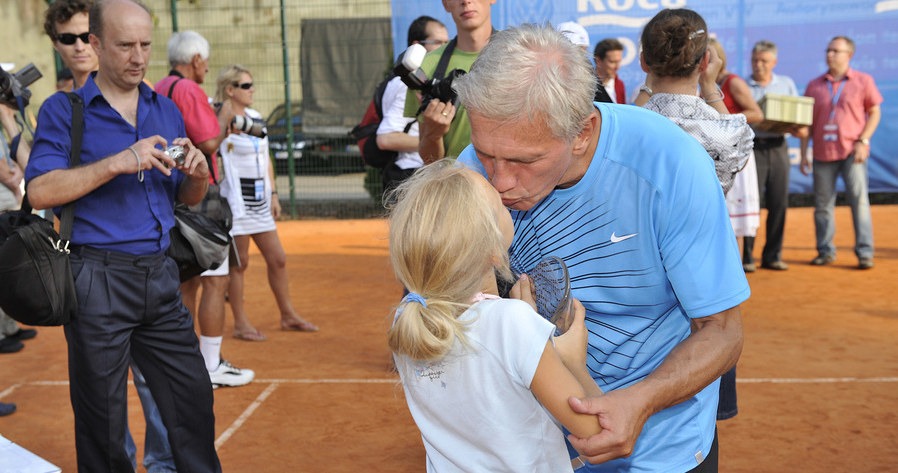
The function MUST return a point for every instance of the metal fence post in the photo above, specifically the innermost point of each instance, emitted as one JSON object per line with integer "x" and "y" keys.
{"x": 291, "y": 165}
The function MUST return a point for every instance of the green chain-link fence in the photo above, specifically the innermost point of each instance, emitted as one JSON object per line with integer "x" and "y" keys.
{"x": 324, "y": 56}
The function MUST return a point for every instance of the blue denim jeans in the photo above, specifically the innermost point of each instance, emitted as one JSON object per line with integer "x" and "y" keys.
{"x": 157, "y": 455}
{"x": 855, "y": 178}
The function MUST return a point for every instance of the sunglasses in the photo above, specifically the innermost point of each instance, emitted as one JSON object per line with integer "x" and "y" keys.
{"x": 244, "y": 86}
{"x": 69, "y": 39}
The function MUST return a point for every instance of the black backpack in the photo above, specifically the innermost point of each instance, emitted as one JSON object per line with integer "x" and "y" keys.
{"x": 365, "y": 133}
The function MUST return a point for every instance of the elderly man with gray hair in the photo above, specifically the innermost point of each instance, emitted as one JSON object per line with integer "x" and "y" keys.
{"x": 632, "y": 204}
{"x": 772, "y": 158}
{"x": 188, "y": 54}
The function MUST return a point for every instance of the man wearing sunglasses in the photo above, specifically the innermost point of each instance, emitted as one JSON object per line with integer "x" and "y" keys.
{"x": 66, "y": 23}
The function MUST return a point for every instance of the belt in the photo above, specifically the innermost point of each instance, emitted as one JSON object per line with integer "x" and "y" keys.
{"x": 118, "y": 258}
{"x": 764, "y": 143}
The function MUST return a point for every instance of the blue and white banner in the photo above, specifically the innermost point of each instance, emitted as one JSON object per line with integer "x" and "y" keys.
{"x": 800, "y": 28}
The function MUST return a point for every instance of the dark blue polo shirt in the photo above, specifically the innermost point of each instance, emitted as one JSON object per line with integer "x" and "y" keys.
{"x": 123, "y": 214}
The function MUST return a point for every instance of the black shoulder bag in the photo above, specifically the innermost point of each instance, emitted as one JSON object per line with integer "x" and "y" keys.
{"x": 38, "y": 287}
{"x": 200, "y": 241}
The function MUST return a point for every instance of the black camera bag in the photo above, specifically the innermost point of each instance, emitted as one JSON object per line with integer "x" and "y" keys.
{"x": 37, "y": 284}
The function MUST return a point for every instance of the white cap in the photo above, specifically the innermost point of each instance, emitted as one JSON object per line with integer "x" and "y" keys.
{"x": 574, "y": 32}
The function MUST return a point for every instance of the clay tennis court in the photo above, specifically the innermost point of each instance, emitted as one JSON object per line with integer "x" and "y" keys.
{"x": 818, "y": 388}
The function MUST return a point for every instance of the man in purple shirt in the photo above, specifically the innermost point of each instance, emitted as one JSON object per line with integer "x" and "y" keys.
{"x": 846, "y": 113}
{"x": 127, "y": 288}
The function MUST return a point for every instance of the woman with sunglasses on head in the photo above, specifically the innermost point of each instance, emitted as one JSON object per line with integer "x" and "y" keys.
{"x": 249, "y": 183}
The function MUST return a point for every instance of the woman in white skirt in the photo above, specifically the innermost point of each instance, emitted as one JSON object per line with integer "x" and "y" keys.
{"x": 249, "y": 180}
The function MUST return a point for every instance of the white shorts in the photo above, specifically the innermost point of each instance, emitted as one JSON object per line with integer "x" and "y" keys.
{"x": 220, "y": 271}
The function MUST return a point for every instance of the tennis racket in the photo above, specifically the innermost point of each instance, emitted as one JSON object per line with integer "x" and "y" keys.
{"x": 552, "y": 292}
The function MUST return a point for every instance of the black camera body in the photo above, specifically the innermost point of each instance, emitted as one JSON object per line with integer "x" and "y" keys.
{"x": 408, "y": 68}
{"x": 15, "y": 86}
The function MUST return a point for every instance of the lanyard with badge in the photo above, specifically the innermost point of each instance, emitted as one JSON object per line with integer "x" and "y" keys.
{"x": 259, "y": 184}
{"x": 831, "y": 129}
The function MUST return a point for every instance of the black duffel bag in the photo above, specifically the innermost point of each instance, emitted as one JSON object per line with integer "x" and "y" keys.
{"x": 36, "y": 282}
{"x": 37, "y": 285}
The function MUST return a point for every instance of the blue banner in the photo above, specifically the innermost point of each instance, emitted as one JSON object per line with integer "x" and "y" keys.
{"x": 800, "y": 28}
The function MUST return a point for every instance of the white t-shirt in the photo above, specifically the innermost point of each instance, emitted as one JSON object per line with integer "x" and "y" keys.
{"x": 393, "y": 107}
{"x": 609, "y": 87}
{"x": 474, "y": 407}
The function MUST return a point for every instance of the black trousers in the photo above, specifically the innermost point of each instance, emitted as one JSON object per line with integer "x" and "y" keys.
{"x": 772, "y": 158}
{"x": 130, "y": 307}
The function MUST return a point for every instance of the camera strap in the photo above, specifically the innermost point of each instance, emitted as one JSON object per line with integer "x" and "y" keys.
{"x": 440, "y": 71}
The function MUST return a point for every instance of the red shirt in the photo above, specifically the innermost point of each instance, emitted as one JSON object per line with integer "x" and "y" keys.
{"x": 859, "y": 94}
{"x": 199, "y": 118}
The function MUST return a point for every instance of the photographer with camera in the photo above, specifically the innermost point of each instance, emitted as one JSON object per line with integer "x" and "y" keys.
{"x": 394, "y": 133}
{"x": 124, "y": 193}
{"x": 188, "y": 54}
{"x": 445, "y": 129}
{"x": 249, "y": 182}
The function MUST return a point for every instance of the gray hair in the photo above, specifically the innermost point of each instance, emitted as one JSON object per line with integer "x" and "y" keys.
{"x": 764, "y": 46}
{"x": 184, "y": 45}
{"x": 531, "y": 73}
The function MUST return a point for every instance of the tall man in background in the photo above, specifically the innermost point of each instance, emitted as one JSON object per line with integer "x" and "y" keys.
{"x": 445, "y": 130}
{"x": 846, "y": 113}
{"x": 124, "y": 193}
{"x": 188, "y": 55}
{"x": 772, "y": 158}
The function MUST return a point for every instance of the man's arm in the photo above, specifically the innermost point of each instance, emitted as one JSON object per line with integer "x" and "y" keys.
{"x": 862, "y": 151}
{"x": 195, "y": 167}
{"x": 434, "y": 124}
{"x": 397, "y": 141}
{"x": 713, "y": 348}
{"x": 61, "y": 186}
{"x": 805, "y": 160}
{"x": 224, "y": 117}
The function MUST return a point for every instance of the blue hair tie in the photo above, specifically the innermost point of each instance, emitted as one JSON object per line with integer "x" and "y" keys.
{"x": 413, "y": 297}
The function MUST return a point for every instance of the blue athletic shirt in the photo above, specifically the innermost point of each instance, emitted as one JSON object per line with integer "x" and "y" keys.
{"x": 648, "y": 242}
{"x": 123, "y": 214}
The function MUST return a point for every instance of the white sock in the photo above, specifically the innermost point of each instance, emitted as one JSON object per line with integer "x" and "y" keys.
{"x": 210, "y": 347}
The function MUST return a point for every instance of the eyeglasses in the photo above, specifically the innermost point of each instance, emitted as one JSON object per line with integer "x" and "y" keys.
{"x": 244, "y": 86}
{"x": 437, "y": 42}
{"x": 68, "y": 39}
{"x": 836, "y": 51}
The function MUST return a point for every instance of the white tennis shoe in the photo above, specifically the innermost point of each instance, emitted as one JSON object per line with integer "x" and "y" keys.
{"x": 229, "y": 375}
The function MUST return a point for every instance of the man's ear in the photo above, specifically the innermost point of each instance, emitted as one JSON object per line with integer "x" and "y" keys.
{"x": 584, "y": 138}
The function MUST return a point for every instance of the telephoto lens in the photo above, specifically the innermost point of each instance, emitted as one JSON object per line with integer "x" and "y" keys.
{"x": 251, "y": 126}
{"x": 177, "y": 153}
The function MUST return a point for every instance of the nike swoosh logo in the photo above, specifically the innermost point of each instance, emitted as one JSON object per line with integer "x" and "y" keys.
{"x": 618, "y": 239}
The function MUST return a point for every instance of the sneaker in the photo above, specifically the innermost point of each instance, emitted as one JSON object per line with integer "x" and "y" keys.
{"x": 822, "y": 259}
{"x": 865, "y": 263}
{"x": 229, "y": 375}
{"x": 775, "y": 265}
{"x": 8, "y": 345}
{"x": 748, "y": 267}
{"x": 23, "y": 334}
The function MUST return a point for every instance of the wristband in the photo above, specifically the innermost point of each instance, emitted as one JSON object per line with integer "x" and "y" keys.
{"x": 139, "y": 168}
{"x": 718, "y": 99}
{"x": 863, "y": 141}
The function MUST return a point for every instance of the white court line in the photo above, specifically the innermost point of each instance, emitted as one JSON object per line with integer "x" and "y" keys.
{"x": 9, "y": 390}
{"x": 245, "y": 415}
{"x": 815, "y": 380}
{"x": 330, "y": 381}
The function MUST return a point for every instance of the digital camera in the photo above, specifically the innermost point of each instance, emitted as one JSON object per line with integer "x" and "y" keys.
{"x": 15, "y": 86}
{"x": 177, "y": 153}
{"x": 251, "y": 126}
{"x": 408, "y": 68}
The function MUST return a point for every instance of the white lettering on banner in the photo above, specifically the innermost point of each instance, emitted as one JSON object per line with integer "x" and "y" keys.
{"x": 629, "y": 50}
{"x": 624, "y": 5}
